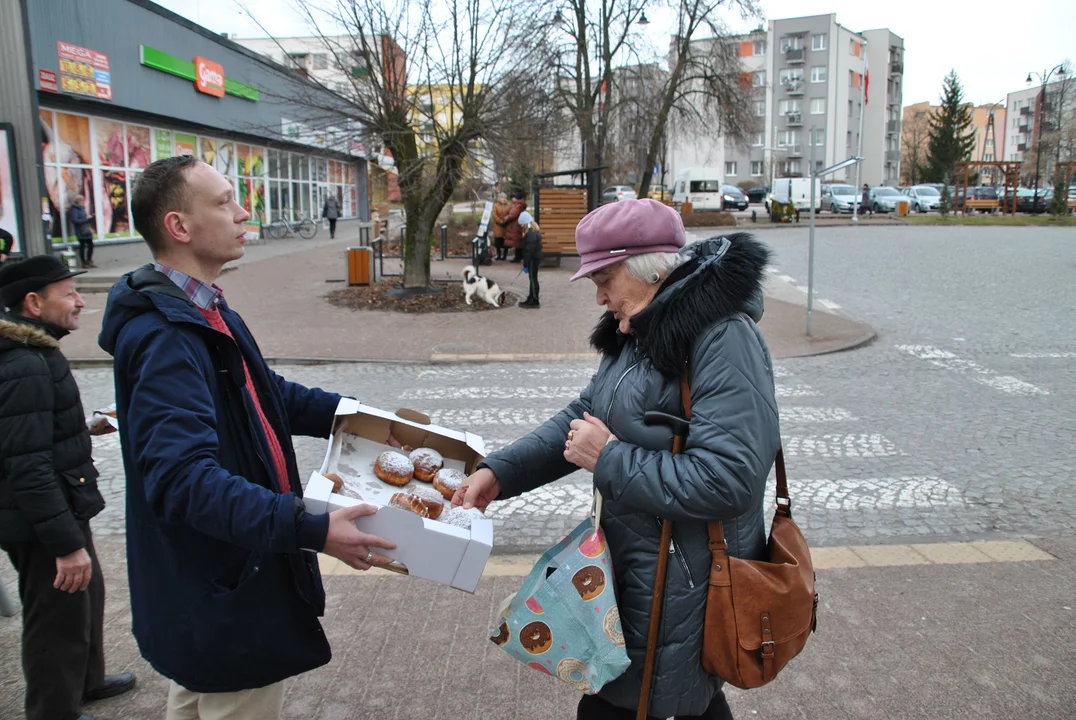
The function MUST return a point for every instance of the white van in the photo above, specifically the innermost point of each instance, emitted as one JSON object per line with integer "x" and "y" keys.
{"x": 699, "y": 186}
{"x": 798, "y": 192}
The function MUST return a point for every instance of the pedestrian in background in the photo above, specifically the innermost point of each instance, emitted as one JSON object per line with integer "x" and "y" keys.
{"x": 865, "y": 203}
{"x": 48, "y": 495}
{"x": 500, "y": 210}
{"x": 331, "y": 212}
{"x": 532, "y": 256}
{"x": 81, "y": 224}
{"x": 513, "y": 233}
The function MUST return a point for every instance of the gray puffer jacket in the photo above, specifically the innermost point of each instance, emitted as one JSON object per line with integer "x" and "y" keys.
{"x": 698, "y": 316}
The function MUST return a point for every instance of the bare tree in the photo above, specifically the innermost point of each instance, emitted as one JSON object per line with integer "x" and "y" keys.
{"x": 704, "y": 87}
{"x": 445, "y": 69}
{"x": 914, "y": 137}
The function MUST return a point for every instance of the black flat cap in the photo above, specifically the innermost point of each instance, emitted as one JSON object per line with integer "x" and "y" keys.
{"x": 30, "y": 275}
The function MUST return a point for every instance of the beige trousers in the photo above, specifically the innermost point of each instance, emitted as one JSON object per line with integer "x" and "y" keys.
{"x": 261, "y": 704}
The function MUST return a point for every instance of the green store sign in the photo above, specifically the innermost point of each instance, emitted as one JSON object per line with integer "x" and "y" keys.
{"x": 160, "y": 60}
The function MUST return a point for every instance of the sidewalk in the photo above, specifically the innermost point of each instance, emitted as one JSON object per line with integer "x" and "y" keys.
{"x": 279, "y": 287}
{"x": 986, "y": 639}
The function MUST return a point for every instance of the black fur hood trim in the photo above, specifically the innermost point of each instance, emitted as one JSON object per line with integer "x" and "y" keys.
{"x": 721, "y": 277}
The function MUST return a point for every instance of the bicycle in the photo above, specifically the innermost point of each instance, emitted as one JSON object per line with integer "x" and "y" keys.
{"x": 304, "y": 227}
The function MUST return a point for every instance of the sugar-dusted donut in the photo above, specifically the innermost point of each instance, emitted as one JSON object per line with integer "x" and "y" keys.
{"x": 409, "y": 503}
{"x": 432, "y": 499}
{"x": 394, "y": 468}
{"x": 536, "y": 637}
{"x": 574, "y": 672}
{"x": 613, "y": 629}
{"x": 338, "y": 482}
{"x": 458, "y": 517}
{"x": 428, "y": 462}
{"x": 448, "y": 481}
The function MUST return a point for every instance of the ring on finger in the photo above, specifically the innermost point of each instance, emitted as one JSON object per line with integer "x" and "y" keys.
{"x": 369, "y": 556}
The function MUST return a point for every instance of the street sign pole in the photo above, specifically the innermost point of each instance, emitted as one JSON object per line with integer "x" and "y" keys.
{"x": 810, "y": 246}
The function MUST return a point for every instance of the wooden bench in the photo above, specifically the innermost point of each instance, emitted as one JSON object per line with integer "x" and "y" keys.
{"x": 990, "y": 205}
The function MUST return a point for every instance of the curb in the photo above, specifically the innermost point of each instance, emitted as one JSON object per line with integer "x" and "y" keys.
{"x": 857, "y": 344}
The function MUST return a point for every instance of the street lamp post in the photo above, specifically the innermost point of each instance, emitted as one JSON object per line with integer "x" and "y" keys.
{"x": 1044, "y": 78}
{"x": 855, "y": 160}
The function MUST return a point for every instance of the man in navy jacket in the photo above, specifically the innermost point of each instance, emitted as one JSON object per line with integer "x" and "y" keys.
{"x": 225, "y": 587}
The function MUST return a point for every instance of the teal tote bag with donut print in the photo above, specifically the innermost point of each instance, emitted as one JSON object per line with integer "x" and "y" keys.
{"x": 564, "y": 619}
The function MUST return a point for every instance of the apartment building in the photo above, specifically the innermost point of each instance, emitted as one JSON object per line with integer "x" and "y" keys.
{"x": 1032, "y": 119}
{"x": 810, "y": 76}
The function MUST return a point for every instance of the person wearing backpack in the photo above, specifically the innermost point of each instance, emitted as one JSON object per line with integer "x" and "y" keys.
{"x": 81, "y": 223}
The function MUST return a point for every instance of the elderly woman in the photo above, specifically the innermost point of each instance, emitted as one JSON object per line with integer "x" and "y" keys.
{"x": 669, "y": 310}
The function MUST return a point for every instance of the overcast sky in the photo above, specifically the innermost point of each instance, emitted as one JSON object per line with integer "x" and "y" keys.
{"x": 991, "y": 44}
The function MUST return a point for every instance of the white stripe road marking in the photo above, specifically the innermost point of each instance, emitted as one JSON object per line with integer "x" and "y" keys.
{"x": 798, "y": 414}
{"x": 978, "y": 373}
{"x": 547, "y": 392}
{"x": 493, "y": 392}
{"x": 835, "y": 445}
{"x": 802, "y": 289}
{"x": 829, "y": 304}
{"x": 873, "y": 493}
{"x": 787, "y": 278}
{"x": 772, "y": 270}
{"x": 471, "y": 418}
{"x": 581, "y": 371}
{"x": 1045, "y": 356}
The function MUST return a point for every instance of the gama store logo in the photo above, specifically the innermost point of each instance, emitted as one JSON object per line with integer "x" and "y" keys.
{"x": 208, "y": 77}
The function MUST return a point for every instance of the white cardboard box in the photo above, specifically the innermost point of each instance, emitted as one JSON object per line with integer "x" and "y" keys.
{"x": 428, "y": 549}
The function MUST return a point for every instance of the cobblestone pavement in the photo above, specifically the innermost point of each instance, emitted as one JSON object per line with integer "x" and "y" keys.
{"x": 957, "y": 423}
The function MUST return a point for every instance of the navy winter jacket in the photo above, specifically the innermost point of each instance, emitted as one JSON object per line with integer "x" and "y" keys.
{"x": 225, "y": 593}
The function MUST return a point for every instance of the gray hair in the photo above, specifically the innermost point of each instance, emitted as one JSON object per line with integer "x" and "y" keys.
{"x": 654, "y": 267}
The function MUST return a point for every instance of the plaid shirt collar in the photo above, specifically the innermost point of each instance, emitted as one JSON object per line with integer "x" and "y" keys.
{"x": 205, "y": 296}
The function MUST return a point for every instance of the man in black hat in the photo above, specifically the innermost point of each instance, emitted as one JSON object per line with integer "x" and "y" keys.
{"x": 48, "y": 493}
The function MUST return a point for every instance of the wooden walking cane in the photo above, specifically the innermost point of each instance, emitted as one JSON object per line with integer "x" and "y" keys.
{"x": 665, "y": 548}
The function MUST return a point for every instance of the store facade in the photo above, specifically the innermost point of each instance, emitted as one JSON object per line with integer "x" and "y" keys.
{"x": 121, "y": 83}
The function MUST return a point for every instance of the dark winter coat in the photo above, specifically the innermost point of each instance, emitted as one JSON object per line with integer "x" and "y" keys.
{"x": 733, "y": 439}
{"x": 80, "y": 223}
{"x": 513, "y": 233}
{"x": 532, "y": 246}
{"x": 48, "y": 483}
{"x": 225, "y": 593}
{"x": 331, "y": 211}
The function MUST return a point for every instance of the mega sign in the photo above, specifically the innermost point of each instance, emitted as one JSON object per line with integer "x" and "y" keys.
{"x": 208, "y": 77}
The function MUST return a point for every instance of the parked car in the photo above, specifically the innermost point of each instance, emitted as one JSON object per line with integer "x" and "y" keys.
{"x": 884, "y": 199}
{"x": 758, "y": 194}
{"x": 618, "y": 192}
{"x": 838, "y": 198}
{"x": 923, "y": 198}
{"x": 733, "y": 198}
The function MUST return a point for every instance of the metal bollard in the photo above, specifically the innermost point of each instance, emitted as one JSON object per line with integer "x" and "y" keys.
{"x": 444, "y": 242}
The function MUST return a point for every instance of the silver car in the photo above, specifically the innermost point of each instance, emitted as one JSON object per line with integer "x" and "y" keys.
{"x": 884, "y": 199}
{"x": 922, "y": 198}
{"x": 618, "y": 192}
{"x": 838, "y": 198}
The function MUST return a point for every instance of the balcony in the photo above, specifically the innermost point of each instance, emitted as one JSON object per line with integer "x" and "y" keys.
{"x": 892, "y": 156}
{"x": 1021, "y": 147}
{"x": 1027, "y": 111}
{"x": 893, "y": 126}
{"x": 1024, "y": 126}
{"x": 794, "y": 87}
{"x": 896, "y": 68}
{"x": 794, "y": 151}
{"x": 794, "y": 118}
{"x": 794, "y": 55}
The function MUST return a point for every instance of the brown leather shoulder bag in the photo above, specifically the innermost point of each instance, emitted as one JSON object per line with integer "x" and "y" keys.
{"x": 759, "y": 613}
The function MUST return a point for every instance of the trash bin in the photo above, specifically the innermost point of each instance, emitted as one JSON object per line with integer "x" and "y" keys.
{"x": 902, "y": 207}
{"x": 360, "y": 265}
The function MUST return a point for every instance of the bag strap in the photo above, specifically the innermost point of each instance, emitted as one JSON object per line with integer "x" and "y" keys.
{"x": 664, "y": 548}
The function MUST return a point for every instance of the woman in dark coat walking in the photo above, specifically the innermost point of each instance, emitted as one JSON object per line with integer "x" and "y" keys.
{"x": 331, "y": 212}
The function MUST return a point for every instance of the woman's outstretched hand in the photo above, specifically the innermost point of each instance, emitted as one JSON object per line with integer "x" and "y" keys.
{"x": 478, "y": 490}
{"x": 585, "y": 442}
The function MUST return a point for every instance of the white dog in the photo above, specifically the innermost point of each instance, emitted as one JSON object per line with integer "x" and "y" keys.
{"x": 486, "y": 289}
